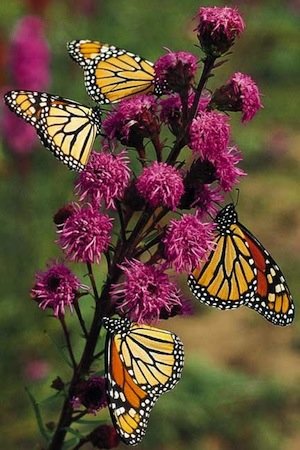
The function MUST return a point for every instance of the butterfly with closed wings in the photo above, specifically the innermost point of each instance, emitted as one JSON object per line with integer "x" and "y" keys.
{"x": 240, "y": 271}
{"x": 65, "y": 127}
{"x": 142, "y": 362}
{"x": 112, "y": 74}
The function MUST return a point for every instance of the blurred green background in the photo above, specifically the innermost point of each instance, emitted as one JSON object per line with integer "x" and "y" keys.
{"x": 240, "y": 388}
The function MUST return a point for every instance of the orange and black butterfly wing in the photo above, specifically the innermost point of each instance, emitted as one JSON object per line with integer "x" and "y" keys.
{"x": 112, "y": 74}
{"x": 129, "y": 405}
{"x": 227, "y": 279}
{"x": 272, "y": 299}
{"x": 142, "y": 363}
{"x": 67, "y": 128}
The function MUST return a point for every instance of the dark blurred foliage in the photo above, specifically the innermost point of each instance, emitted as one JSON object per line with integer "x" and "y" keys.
{"x": 210, "y": 409}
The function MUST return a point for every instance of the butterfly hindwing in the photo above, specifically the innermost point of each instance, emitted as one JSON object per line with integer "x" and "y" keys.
{"x": 142, "y": 363}
{"x": 272, "y": 299}
{"x": 240, "y": 271}
{"x": 112, "y": 74}
{"x": 67, "y": 128}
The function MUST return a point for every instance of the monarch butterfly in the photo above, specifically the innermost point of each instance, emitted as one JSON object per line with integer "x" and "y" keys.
{"x": 67, "y": 128}
{"x": 240, "y": 271}
{"x": 112, "y": 74}
{"x": 142, "y": 363}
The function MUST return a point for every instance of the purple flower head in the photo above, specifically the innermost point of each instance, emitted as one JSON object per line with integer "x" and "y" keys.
{"x": 105, "y": 177}
{"x": 227, "y": 172}
{"x": 133, "y": 120}
{"x": 104, "y": 437}
{"x": 30, "y": 56}
{"x": 85, "y": 234}
{"x": 206, "y": 200}
{"x": 18, "y": 134}
{"x": 145, "y": 292}
{"x": 187, "y": 241}
{"x": 56, "y": 288}
{"x": 90, "y": 393}
{"x": 176, "y": 70}
{"x": 161, "y": 185}
{"x": 217, "y": 28}
{"x": 240, "y": 93}
{"x": 171, "y": 109}
{"x": 209, "y": 134}
{"x": 200, "y": 173}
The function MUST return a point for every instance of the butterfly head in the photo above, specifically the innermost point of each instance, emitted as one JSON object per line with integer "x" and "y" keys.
{"x": 226, "y": 217}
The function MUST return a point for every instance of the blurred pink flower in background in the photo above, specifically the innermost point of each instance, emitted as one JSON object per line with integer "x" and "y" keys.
{"x": 29, "y": 55}
{"x": 28, "y": 65}
{"x": 36, "y": 369}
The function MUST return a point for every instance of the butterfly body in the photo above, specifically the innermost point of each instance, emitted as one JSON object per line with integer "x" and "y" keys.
{"x": 67, "y": 128}
{"x": 142, "y": 363}
{"x": 112, "y": 74}
{"x": 240, "y": 271}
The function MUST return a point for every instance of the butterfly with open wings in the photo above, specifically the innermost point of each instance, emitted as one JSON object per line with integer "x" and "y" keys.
{"x": 240, "y": 271}
{"x": 112, "y": 74}
{"x": 65, "y": 127}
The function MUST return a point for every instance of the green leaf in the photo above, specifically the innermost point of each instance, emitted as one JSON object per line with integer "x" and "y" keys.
{"x": 38, "y": 415}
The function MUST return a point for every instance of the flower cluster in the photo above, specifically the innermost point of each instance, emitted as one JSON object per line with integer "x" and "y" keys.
{"x": 145, "y": 292}
{"x": 217, "y": 29}
{"x": 105, "y": 177}
{"x": 161, "y": 185}
{"x": 91, "y": 394}
{"x": 145, "y": 207}
{"x": 132, "y": 121}
{"x": 56, "y": 288}
{"x": 85, "y": 234}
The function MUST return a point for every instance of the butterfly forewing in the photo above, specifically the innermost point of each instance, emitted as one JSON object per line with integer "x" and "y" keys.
{"x": 228, "y": 278}
{"x": 112, "y": 74}
{"x": 142, "y": 363}
{"x": 273, "y": 299}
{"x": 65, "y": 127}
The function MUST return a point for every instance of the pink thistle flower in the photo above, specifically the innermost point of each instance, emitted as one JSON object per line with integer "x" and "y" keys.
{"x": 176, "y": 70}
{"x": 187, "y": 241}
{"x": 209, "y": 134}
{"x": 105, "y": 177}
{"x": 133, "y": 120}
{"x": 171, "y": 109}
{"x": 240, "y": 93}
{"x": 244, "y": 87}
{"x": 104, "y": 436}
{"x": 90, "y": 393}
{"x": 226, "y": 171}
{"x": 145, "y": 292}
{"x": 206, "y": 200}
{"x": 85, "y": 234}
{"x": 56, "y": 288}
{"x": 161, "y": 185}
{"x": 217, "y": 28}
{"x": 30, "y": 56}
